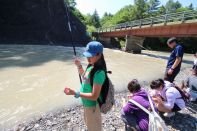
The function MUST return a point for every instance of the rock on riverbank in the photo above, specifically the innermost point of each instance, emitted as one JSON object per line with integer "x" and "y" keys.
{"x": 71, "y": 119}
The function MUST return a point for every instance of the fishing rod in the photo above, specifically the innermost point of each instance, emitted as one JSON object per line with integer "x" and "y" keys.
{"x": 71, "y": 33}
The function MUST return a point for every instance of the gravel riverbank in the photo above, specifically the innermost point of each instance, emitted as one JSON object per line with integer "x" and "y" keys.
{"x": 71, "y": 119}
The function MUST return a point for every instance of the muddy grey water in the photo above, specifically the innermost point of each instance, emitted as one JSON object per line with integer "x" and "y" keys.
{"x": 32, "y": 77}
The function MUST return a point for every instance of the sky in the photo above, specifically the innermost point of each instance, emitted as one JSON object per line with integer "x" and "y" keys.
{"x": 112, "y": 6}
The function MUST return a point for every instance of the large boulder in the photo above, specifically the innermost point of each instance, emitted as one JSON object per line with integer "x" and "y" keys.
{"x": 38, "y": 22}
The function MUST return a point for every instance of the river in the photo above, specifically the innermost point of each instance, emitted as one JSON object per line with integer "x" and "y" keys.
{"x": 32, "y": 77}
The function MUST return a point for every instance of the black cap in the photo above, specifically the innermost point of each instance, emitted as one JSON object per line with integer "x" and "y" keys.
{"x": 172, "y": 39}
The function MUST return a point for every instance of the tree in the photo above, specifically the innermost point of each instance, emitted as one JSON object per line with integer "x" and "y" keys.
{"x": 79, "y": 15}
{"x": 88, "y": 19}
{"x": 71, "y": 3}
{"x": 191, "y": 7}
{"x": 90, "y": 29}
{"x": 140, "y": 8}
{"x": 162, "y": 10}
{"x": 95, "y": 20}
{"x": 169, "y": 6}
{"x": 178, "y": 4}
{"x": 153, "y": 6}
{"x": 124, "y": 15}
{"x": 172, "y": 6}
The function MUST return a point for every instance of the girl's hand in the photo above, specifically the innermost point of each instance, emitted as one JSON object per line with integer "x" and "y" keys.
{"x": 159, "y": 100}
{"x": 77, "y": 61}
{"x": 69, "y": 91}
{"x": 154, "y": 98}
{"x": 170, "y": 71}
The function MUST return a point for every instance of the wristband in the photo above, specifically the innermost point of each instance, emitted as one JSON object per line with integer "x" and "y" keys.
{"x": 77, "y": 94}
{"x": 171, "y": 68}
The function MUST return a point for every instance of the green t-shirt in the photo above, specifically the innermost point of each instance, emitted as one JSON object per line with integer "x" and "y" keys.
{"x": 99, "y": 78}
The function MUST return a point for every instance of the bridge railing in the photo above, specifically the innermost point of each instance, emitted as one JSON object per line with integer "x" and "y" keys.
{"x": 163, "y": 19}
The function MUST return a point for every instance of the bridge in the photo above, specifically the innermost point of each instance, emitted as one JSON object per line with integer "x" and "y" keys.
{"x": 182, "y": 24}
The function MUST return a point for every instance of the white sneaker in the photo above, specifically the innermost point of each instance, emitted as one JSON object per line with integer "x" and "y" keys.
{"x": 169, "y": 114}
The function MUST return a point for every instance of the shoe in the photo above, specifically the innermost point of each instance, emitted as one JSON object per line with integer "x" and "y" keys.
{"x": 169, "y": 114}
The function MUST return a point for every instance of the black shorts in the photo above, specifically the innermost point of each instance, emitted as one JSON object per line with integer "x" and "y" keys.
{"x": 176, "y": 108}
{"x": 171, "y": 78}
{"x": 129, "y": 120}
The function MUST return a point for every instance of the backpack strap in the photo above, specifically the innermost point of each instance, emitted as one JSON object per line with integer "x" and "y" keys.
{"x": 151, "y": 103}
{"x": 140, "y": 106}
{"x": 106, "y": 83}
{"x": 154, "y": 112}
{"x": 165, "y": 93}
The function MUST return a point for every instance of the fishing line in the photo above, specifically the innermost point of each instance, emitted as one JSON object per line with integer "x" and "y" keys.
{"x": 71, "y": 34}
{"x": 69, "y": 26}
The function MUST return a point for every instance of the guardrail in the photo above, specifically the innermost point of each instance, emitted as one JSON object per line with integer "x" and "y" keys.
{"x": 163, "y": 19}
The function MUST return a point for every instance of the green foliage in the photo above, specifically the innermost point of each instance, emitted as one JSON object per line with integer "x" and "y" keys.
{"x": 162, "y": 10}
{"x": 90, "y": 28}
{"x": 191, "y": 7}
{"x": 123, "y": 15}
{"x": 71, "y": 3}
{"x": 79, "y": 15}
{"x": 172, "y": 6}
{"x": 106, "y": 19}
{"x": 95, "y": 20}
{"x": 122, "y": 43}
{"x": 87, "y": 19}
{"x": 140, "y": 8}
{"x": 153, "y": 7}
{"x": 182, "y": 9}
{"x": 92, "y": 20}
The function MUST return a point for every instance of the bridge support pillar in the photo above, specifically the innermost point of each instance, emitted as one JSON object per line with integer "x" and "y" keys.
{"x": 106, "y": 41}
{"x": 134, "y": 44}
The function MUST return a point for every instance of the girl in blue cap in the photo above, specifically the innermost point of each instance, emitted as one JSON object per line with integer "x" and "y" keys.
{"x": 92, "y": 82}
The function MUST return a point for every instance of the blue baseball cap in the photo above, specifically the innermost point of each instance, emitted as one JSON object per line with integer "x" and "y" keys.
{"x": 93, "y": 48}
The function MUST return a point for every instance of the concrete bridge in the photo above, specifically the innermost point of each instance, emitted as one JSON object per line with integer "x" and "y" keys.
{"x": 182, "y": 24}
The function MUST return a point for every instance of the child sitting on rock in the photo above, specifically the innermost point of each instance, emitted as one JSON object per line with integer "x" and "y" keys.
{"x": 133, "y": 116}
{"x": 191, "y": 85}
